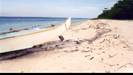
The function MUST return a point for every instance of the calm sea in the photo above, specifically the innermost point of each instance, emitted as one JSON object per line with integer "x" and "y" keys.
{"x": 28, "y": 22}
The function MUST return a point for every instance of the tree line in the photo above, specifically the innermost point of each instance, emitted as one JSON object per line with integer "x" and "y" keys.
{"x": 123, "y": 9}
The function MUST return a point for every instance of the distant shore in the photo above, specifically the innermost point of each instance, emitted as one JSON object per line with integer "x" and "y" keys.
{"x": 93, "y": 46}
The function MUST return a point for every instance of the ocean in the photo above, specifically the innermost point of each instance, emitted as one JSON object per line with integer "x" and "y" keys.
{"x": 29, "y": 22}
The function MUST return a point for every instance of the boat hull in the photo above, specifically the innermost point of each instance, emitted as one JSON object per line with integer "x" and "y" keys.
{"x": 29, "y": 40}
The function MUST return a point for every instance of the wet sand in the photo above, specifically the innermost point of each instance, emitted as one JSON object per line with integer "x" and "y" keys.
{"x": 93, "y": 46}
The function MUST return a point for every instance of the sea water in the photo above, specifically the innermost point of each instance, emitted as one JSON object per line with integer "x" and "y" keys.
{"x": 29, "y": 22}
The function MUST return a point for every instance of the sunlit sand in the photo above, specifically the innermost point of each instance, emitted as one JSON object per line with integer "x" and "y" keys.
{"x": 93, "y": 46}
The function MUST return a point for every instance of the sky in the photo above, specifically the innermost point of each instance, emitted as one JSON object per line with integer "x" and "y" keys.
{"x": 54, "y": 8}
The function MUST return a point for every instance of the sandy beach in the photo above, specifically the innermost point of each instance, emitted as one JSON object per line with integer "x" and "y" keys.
{"x": 93, "y": 46}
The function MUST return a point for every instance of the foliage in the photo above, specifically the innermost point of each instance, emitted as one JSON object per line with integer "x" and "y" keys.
{"x": 123, "y": 9}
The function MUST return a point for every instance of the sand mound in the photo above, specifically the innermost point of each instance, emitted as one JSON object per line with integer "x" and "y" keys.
{"x": 94, "y": 46}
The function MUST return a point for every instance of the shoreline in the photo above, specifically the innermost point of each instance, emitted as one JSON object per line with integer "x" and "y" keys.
{"x": 93, "y": 46}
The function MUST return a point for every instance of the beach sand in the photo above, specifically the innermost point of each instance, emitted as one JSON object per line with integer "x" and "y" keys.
{"x": 93, "y": 46}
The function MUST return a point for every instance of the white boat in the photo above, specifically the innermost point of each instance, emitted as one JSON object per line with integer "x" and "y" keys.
{"x": 29, "y": 38}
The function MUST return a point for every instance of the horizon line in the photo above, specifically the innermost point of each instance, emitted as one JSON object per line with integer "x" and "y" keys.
{"x": 44, "y": 16}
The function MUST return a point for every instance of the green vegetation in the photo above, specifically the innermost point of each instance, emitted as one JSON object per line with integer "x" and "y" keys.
{"x": 123, "y": 9}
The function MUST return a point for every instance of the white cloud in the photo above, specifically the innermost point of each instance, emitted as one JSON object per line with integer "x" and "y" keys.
{"x": 73, "y": 12}
{"x": 0, "y": 7}
{"x": 87, "y": 11}
{"x": 52, "y": 10}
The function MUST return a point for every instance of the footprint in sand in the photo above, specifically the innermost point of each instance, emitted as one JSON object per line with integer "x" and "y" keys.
{"x": 91, "y": 58}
